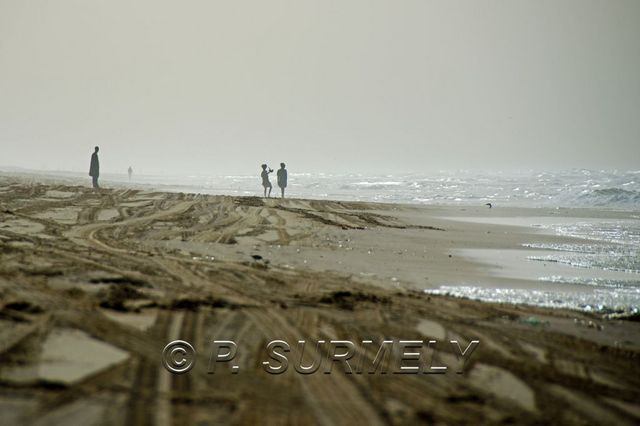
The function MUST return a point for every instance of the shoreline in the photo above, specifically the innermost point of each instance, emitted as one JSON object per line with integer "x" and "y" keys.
{"x": 118, "y": 273}
{"x": 517, "y": 224}
{"x": 79, "y": 179}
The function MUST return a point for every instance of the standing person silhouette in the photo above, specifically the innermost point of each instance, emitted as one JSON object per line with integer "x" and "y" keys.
{"x": 94, "y": 169}
{"x": 265, "y": 180}
{"x": 282, "y": 178}
{"x": 130, "y": 171}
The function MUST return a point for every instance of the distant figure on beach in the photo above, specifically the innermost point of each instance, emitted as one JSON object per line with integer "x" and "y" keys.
{"x": 94, "y": 169}
{"x": 282, "y": 178}
{"x": 265, "y": 180}
{"x": 130, "y": 171}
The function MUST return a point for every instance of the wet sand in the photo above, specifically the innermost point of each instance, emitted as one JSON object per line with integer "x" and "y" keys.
{"x": 93, "y": 285}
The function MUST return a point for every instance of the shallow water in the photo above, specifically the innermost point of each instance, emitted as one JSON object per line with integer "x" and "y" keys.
{"x": 600, "y": 300}
{"x": 599, "y": 272}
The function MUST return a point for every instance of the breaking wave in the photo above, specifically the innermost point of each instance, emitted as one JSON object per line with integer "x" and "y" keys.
{"x": 611, "y": 197}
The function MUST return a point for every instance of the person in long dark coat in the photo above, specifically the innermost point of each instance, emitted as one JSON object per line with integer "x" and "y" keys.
{"x": 94, "y": 169}
{"x": 282, "y": 178}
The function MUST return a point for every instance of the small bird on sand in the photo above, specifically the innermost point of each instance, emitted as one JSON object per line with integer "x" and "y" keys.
{"x": 488, "y": 204}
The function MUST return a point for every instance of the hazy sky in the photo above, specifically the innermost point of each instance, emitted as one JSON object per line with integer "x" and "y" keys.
{"x": 329, "y": 85}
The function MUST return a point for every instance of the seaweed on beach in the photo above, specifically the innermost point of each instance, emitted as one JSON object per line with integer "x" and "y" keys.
{"x": 20, "y": 311}
{"x": 136, "y": 282}
{"x": 193, "y": 304}
{"x": 117, "y": 295}
{"x": 249, "y": 201}
{"x": 345, "y": 299}
{"x": 23, "y": 306}
{"x": 635, "y": 317}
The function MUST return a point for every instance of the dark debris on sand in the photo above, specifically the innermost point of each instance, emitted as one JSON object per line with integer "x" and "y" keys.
{"x": 118, "y": 295}
{"x": 345, "y": 299}
{"x": 193, "y": 304}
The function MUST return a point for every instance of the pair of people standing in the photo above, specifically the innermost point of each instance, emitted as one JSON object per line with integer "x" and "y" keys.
{"x": 282, "y": 179}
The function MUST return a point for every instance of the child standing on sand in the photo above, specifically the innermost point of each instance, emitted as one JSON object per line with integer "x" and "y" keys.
{"x": 265, "y": 180}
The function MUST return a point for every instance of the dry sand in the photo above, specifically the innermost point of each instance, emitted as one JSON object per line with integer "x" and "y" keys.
{"x": 93, "y": 285}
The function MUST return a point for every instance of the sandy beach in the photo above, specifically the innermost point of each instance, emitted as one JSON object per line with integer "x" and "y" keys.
{"x": 94, "y": 284}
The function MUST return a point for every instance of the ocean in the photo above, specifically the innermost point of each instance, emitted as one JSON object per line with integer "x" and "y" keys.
{"x": 572, "y": 188}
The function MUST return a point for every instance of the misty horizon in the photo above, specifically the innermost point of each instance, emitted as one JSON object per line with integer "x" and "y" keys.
{"x": 215, "y": 89}
{"x": 247, "y": 172}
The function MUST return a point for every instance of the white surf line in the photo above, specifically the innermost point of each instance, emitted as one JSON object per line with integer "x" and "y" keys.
{"x": 163, "y": 403}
